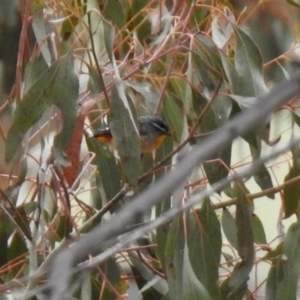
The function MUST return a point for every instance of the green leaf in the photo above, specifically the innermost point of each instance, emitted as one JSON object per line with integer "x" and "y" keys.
{"x": 238, "y": 293}
{"x": 231, "y": 74}
{"x": 263, "y": 179}
{"x": 248, "y": 62}
{"x": 33, "y": 71}
{"x": 41, "y": 29}
{"x": 151, "y": 281}
{"x": 287, "y": 289}
{"x": 108, "y": 169}
{"x": 229, "y": 227}
{"x": 125, "y": 132}
{"x": 209, "y": 121}
{"x": 56, "y": 86}
{"x": 192, "y": 289}
{"x": 109, "y": 35}
{"x": 244, "y": 212}
{"x": 258, "y": 230}
{"x": 173, "y": 116}
{"x": 242, "y": 101}
{"x": 141, "y": 24}
{"x": 274, "y": 253}
{"x": 174, "y": 259}
{"x": 215, "y": 170}
{"x": 68, "y": 26}
{"x": 94, "y": 84}
{"x": 204, "y": 243}
{"x": 65, "y": 96}
{"x": 16, "y": 248}
{"x": 206, "y": 62}
{"x": 275, "y": 276}
{"x": 4, "y": 236}
{"x": 114, "y": 11}
{"x": 149, "y": 94}
{"x": 292, "y": 192}
{"x": 292, "y": 2}
{"x": 112, "y": 271}
{"x": 229, "y": 259}
{"x": 236, "y": 284}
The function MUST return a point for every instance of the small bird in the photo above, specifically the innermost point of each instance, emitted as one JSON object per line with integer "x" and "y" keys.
{"x": 152, "y": 130}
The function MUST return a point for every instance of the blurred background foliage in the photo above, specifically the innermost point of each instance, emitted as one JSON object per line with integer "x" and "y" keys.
{"x": 70, "y": 67}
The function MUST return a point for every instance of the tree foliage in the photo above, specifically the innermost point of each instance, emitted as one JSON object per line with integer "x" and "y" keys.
{"x": 83, "y": 65}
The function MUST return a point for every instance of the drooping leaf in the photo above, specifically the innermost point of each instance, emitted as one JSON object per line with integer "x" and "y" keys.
{"x": 125, "y": 132}
{"x": 142, "y": 25}
{"x": 149, "y": 95}
{"x": 108, "y": 169}
{"x": 40, "y": 29}
{"x": 219, "y": 168}
{"x": 112, "y": 271}
{"x": 94, "y": 84}
{"x": 115, "y": 11}
{"x": 4, "y": 236}
{"x": 204, "y": 244}
{"x": 192, "y": 288}
{"x": 69, "y": 24}
{"x": 16, "y": 248}
{"x": 206, "y": 63}
{"x": 209, "y": 121}
{"x": 274, "y": 253}
{"x": 231, "y": 74}
{"x": 292, "y": 192}
{"x": 275, "y": 276}
{"x": 64, "y": 95}
{"x": 174, "y": 117}
{"x": 236, "y": 283}
{"x": 242, "y": 101}
{"x": 56, "y": 86}
{"x": 33, "y": 71}
{"x": 215, "y": 169}
{"x": 263, "y": 179}
{"x": 174, "y": 259}
{"x": 222, "y": 27}
{"x": 287, "y": 289}
{"x": 109, "y": 34}
{"x": 152, "y": 282}
{"x": 248, "y": 62}
{"x": 229, "y": 227}
{"x": 258, "y": 230}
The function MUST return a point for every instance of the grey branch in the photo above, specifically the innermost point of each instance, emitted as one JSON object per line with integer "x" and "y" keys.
{"x": 196, "y": 199}
{"x": 94, "y": 240}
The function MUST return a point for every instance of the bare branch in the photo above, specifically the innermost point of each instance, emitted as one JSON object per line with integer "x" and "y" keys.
{"x": 241, "y": 124}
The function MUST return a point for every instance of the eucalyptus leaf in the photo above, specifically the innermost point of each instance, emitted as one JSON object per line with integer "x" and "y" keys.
{"x": 175, "y": 259}
{"x": 193, "y": 289}
{"x": 248, "y": 62}
{"x": 235, "y": 285}
{"x": 292, "y": 192}
{"x": 287, "y": 289}
{"x": 258, "y": 230}
{"x": 56, "y": 86}
{"x": 125, "y": 132}
{"x": 275, "y": 276}
{"x": 204, "y": 244}
{"x": 229, "y": 227}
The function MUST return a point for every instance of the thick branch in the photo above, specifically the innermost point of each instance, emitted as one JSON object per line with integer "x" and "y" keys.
{"x": 241, "y": 124}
